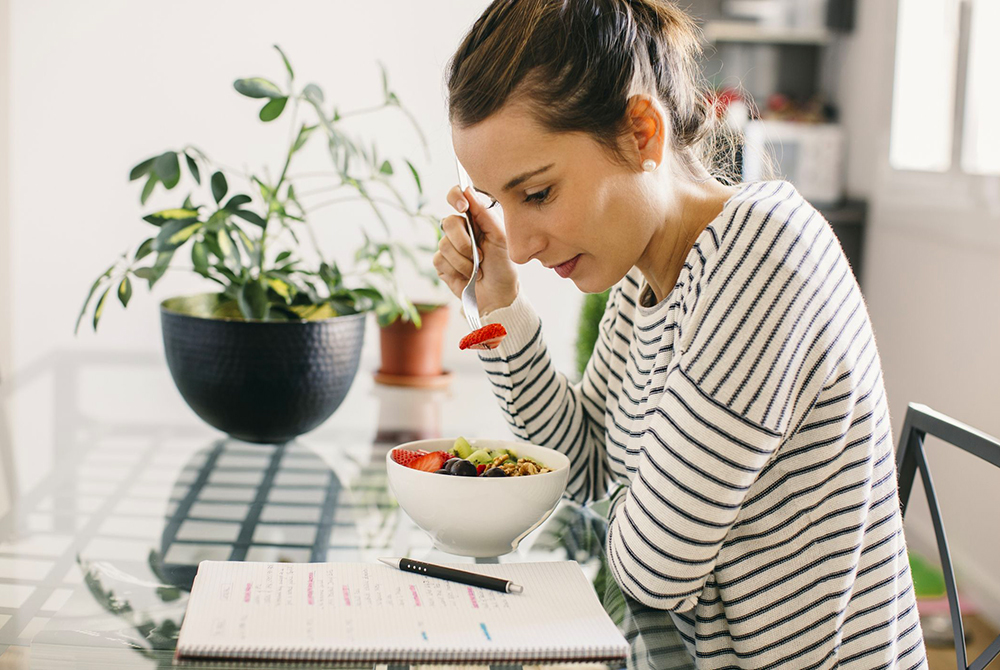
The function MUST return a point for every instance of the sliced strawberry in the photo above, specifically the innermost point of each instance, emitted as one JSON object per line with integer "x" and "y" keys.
{"x": 405, "y": 456}
{"x": 487, "y": 337}
{"x": 480, "y": 468}
{"x": 431, "y": 462}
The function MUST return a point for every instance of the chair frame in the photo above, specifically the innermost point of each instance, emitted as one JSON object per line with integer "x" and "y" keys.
{"x": 920, "y": 422}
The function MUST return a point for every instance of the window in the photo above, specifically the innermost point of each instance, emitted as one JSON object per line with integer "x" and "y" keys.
{"x": 981, "y": 125}
{"x": 923, "y": 89}
{"x": 933, "y": 43}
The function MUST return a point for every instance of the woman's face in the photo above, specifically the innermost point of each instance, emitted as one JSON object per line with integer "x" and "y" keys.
{"x": 565, "y": 201}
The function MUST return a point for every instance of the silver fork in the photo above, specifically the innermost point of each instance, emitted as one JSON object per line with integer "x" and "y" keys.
{"x": 469, "y": 305}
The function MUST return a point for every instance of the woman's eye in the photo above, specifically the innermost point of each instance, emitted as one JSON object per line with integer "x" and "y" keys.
{"x": 538, "y": 197}
{"x": 492, "y": 203}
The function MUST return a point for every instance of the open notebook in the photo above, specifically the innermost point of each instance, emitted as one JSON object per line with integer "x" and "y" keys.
{"x": 372, "y": 613}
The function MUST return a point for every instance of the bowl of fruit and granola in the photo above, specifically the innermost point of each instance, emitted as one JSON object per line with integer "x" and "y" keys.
{"x": 509, "y": 488}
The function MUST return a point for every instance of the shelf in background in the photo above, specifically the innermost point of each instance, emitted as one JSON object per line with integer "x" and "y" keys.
{"x": 745, "y": 31}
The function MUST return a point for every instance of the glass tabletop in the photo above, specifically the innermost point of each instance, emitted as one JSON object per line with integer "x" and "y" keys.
{"x": 98, "y": 551}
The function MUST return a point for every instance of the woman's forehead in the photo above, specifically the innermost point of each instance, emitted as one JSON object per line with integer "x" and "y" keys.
{"x": 504, "y": 145}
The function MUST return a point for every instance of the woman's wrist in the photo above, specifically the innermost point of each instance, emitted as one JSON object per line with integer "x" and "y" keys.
{"x": 499, "y": 303}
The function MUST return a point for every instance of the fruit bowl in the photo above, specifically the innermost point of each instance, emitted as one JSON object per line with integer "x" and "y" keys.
{"x": 478, "y": 516}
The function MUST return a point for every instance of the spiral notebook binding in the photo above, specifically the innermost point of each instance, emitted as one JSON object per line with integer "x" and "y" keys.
{"x": 368, "y": 655}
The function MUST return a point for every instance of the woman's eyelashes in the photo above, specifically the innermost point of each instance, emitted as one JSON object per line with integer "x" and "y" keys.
{"x": 538, "y": 197}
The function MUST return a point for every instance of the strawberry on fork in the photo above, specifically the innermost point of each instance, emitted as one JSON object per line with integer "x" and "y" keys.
{"x": 487, "y": 337}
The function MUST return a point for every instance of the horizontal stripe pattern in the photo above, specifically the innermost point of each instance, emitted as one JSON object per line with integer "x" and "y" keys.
{"x": 746, "y": 414}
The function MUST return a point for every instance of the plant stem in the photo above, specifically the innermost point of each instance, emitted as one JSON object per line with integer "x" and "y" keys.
{"x": 321, "y": 190}
{"x": 330, "y": 173}
{"x": 364, "y": 110}
{"x": 381, "y": 201}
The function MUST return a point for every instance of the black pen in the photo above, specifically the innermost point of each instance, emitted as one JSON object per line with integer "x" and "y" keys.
{"x": 453, "y": 575}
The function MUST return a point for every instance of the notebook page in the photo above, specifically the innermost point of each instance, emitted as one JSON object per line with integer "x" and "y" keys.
{"x": 360, "y": 606}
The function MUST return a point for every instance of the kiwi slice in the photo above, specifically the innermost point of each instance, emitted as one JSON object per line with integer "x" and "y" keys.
{"x": 480, "y": 456}
{"x": 462, "y": 447}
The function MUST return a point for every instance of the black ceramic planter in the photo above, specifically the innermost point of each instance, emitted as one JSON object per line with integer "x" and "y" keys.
{"x": 260, "y": 381}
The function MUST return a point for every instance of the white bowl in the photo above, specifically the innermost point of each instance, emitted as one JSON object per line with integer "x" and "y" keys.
{"x": 478, "y": 516}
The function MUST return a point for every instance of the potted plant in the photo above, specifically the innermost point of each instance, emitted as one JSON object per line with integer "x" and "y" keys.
{"x": 411, "y": 334}
{"x": 271, "y": 353}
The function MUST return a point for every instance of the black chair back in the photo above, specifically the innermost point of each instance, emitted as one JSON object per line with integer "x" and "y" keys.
{"x": 920, "y": 422}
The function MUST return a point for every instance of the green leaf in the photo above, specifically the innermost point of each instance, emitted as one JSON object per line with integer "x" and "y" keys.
{"x": 100, "y": 307}
{"x": 93, "y": 290}
{"x": 385, "y": 80}
{"x": 386, "y": 168}
{"x": 280, "y": 287}
{"x": 167, "y": 169}
{"x": 252, "y": 217}
{"x": 143, "y": 273}
{"x": 174, "y": 234}
{"x": 125, "y": 291}
{"x": 141, "y": 169}
{"x": 288, "y": 66}
{"x": 227, "y": 246}
{"x": 272, "y": 109}
{"x": 257, "y": 87}
{"x": 248, "y": 246}
{"x": 193, "y": 168}
{"x": 237, "y": 201}
{"x": 160, "y": 266}
{"x": 304, "y": 133}
{"x": 252, "y": 299}
{"x": 416, "y": 177}
{"x": 282, "y": 256}
{"x": 227, "y": 273}
{"x": 219, "y": 186}
{"x": 199, "y": 258}
{"x": 313, "y": 94}
{"x": 147, "y": 190}
{"x": 165, "y": 215}
{"x": 144, "y": 250}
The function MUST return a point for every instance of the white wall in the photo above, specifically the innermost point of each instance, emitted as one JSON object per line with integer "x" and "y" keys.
{"x": 932, "y": 282}
{"x": 5, "y": 227}
{"x": 98, "y": 86}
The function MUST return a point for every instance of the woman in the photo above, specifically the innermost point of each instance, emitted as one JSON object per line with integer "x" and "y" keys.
{"x": 735, "y": 387}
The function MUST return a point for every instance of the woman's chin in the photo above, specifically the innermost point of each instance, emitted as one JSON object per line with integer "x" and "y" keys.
{"x": 591, "y": 284}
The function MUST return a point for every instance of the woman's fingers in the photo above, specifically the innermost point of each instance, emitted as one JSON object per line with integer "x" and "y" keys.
{"x": 459, "y": 261}
{"x": 456, "y": 232}
{"x": 452, "y": 278}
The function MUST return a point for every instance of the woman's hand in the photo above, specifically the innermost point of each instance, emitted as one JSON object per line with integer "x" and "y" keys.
{"x": 496, "y": 285}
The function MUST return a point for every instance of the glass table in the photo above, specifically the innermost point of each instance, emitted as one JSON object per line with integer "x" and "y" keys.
{"x": 115, "y": 491}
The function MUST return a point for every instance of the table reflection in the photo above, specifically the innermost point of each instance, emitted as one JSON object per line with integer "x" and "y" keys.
{"x": 97, "y": 559}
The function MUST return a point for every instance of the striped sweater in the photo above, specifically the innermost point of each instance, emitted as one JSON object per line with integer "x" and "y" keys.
{"x": 746, "y": 417}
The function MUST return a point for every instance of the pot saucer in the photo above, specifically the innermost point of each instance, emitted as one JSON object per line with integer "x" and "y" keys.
{"x": 413, "y": 381}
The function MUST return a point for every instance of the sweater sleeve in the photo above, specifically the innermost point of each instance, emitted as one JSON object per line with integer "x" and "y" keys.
{"x": 542, "y": 406}
{"x": 697, "y": 459}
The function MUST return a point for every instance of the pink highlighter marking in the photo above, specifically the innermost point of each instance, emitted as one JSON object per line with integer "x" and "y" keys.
{"x": 246, "y": 593}
{"x": 416, "y": 598}
{"x": 347, "y": 595}
{"x": 472, "y": 597}
{"x": 309, "y": 588}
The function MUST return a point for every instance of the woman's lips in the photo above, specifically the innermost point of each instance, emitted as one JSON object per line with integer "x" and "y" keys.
{"x": 566, "y": 269}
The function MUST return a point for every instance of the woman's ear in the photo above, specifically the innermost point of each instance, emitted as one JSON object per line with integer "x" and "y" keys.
{"x": 647, "y": 123}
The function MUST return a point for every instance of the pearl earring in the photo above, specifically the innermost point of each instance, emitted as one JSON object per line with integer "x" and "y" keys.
{"x": 649, "y": 165}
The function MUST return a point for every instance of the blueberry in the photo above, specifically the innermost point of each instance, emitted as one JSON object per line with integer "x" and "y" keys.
{"x": 442, "y": 471}
{"x": 464, "y": 469}
{"x": 450, "y": 463}
{"x": 495, "y": 472}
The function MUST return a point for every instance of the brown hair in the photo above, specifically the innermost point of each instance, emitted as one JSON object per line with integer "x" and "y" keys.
{"x": 576, "y": 63}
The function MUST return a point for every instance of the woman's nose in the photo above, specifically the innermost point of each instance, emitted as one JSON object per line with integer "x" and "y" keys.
{"x": 523, "y": 243}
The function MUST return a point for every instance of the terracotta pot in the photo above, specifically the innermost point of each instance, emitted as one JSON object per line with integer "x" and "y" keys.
{"x": 409, "y": 351}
